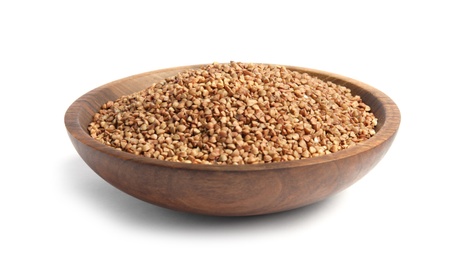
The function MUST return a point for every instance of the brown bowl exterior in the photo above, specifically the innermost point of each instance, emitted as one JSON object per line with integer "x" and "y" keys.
{"x": 229, "y": 190}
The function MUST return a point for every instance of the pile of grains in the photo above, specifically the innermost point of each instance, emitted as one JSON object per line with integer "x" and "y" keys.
{"x": 235, "y": 113}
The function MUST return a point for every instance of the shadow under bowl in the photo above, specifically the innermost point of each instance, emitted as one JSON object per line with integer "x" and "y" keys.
{"x": 229, "y": 190}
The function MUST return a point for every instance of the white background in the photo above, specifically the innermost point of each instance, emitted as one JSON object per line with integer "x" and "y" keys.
{"x": 413, "y": 205}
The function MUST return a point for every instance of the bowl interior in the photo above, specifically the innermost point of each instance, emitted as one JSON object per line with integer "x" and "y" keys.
{"x": 85, "y": 107}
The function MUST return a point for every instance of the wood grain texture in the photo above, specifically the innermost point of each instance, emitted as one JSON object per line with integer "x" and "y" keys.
{"x": 228, "y": 190}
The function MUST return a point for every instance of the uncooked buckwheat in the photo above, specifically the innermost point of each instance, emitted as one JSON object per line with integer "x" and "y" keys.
{"x": 235, "y": 113}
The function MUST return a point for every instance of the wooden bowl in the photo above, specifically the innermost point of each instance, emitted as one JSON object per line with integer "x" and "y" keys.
{"x": 229, "y": 190}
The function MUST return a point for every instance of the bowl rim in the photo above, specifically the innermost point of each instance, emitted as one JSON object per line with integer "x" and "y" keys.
{"x": 387, "y": 130}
